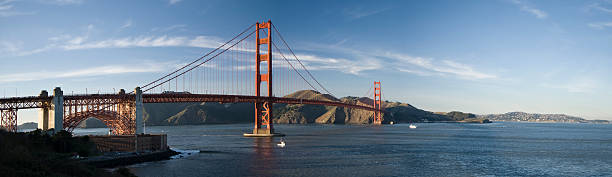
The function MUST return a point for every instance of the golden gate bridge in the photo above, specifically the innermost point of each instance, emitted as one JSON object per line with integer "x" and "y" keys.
{"x": 225, "y": 75}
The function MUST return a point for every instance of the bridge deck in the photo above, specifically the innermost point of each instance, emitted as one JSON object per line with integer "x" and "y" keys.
{"x": 37, "y": 102}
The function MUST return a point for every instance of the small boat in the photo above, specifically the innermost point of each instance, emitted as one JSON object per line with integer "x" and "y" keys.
{"x": 412, "y": 126}
{"x": 281, "y": 144}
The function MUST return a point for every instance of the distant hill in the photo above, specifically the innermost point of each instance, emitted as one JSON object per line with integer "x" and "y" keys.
{"x": 28, "y": 125}
{"x": 533, "y": 117}
{"x": 216, "y": 113}
{"x": 91, "y": 123}
{"x": 464, "y": 117}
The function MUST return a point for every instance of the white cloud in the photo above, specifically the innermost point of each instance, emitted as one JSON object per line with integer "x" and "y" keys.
{"x": 358, "y": 62}
{"x": 148, "y": 41}
{"x": 417, "y": 72}
{"x": 6, "y": 7}
{"x": 127, "y": 24}
{"x": 7, "y": 10}
{"x": 600, "y": 25}
{"x": 357, "y": 13}
{"x": 87, "y": 72}
{"x": 313, "y": 62}
{"x": 68, "y": 42}
{"x": 64, "y": 2}
{"x": 170, "y": 28}
{"x": 599, "y": 7}
{"x": 174, "y": 1}
{"x": 15, "y": 49}
{"x": 524, "y": 7}
{"x": 378, "y": 59}
{"x": 428, "y": 65}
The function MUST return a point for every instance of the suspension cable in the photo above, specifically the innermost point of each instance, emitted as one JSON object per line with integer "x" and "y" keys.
{"x": 281, "y": 53}
{"x": 200, "y": 57}
{"x": 313, "y": 78}
{"x": 368, "y": 93}
{"x": 202, "y": 62}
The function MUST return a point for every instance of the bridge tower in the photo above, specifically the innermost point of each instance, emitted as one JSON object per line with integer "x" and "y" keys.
{"x": 377, "y": 103}
{"x": 263, "y": 107}
{"x": 263, "y": 110}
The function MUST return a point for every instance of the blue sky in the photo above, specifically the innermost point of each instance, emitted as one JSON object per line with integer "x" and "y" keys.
{"x": 491, "y": 56}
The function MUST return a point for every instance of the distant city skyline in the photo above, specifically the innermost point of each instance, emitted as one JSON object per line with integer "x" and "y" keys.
{"x": 482, "y": 57}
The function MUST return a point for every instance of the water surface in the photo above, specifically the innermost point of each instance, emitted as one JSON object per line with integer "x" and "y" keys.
{"x": 433, "y": 149}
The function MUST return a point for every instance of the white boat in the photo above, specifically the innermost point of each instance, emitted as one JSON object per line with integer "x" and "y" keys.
{"x": 281, "y": 144}
{"x": 412, "y": 126}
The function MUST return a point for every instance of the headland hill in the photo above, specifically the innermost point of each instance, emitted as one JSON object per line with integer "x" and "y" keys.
{"x": 169, "y": 114}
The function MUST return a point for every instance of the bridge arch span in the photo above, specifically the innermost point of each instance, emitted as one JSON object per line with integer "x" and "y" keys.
{"x": 118, "y": 123}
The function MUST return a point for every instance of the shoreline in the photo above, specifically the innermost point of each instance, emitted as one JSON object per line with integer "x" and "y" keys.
{"x": 111, "y": 160}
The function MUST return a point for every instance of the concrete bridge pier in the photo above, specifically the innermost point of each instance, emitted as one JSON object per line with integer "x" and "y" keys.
{"x": 51, "y": 116}
{"x": 43, "y": 114}
{"x": 57, "y": 105}
{"x": 138, "y": 111}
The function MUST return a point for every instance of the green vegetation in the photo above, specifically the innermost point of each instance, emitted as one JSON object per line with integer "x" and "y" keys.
{"x": 458, "y": 116}
{"x": 37, "y": 153}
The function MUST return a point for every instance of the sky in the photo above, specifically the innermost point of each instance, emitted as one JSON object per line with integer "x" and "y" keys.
{"x": 492, "y": 56}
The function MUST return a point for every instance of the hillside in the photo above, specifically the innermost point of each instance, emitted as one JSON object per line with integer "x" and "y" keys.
{"x": 91, "y": 123}
{"x": 532, "y": 117}
{"x": 215, "y": 113}
{"x": 464, "y": 117}
{"x": 28, "y": 125}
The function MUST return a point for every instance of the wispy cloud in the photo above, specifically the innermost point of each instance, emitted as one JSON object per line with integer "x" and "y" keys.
{"x": 576, "y": 85}
{"x": 179, "y": 27}
{"x": 87, "y": 72}
{"x": 63, "y": 2}
{"x": 126, "y": 24}
{"x": 69, "y": 42}
{"x": 174, "y": 1}
{"x": 394, "y": 61}
{"x": 526, "y": 8}
{"x": 148, "y": 41}
{"x": 600, "y": 25}
{"x": 314, "y": 62}
{"x": 429, "y": 65}
{"x": 7, "y": 9}
{"x": 599, "y": 7}
{"x": 360, "y": 12}
{"x": 5, "y": 6}
{"x": 352, "y": 61}
{"x": 417, "y": 72}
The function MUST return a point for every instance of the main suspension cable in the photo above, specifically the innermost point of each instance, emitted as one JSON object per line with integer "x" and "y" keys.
{"x": 313, "y": 78}
{"x": 247, "y": 29}
{"x": 202, "y": 62}
{"x": 281, "y": 53}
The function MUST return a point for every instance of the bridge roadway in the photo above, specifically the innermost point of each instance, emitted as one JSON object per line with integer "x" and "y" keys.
{"x": 69, "y": 100}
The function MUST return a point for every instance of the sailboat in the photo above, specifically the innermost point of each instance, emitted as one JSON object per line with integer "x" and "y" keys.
{"x": 281, "y": 144}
